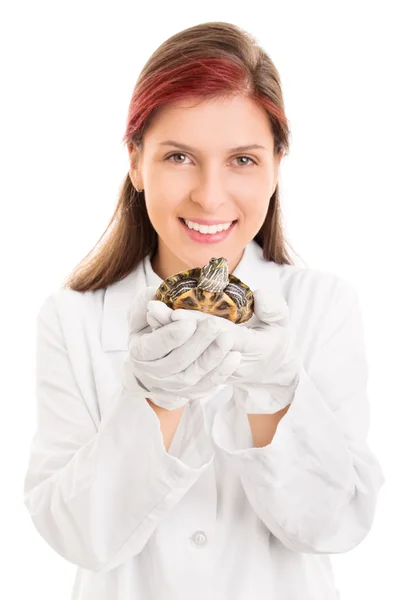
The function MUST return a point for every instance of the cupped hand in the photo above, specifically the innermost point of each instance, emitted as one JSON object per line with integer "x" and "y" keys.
{"x": 176, "y": 360}
{"x": 266, "y": 378}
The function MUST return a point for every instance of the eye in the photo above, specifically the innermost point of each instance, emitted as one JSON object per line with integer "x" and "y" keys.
{"x": 182, "y": 154}
{"x": 175, "y": 154}
{"x": 247, "y": 158}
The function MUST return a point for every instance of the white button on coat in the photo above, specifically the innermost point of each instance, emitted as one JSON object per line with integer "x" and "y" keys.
{"x": 199, "y": 538}
{"x": 214, "y": 517}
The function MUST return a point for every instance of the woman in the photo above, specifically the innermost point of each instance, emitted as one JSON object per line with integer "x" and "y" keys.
{"x": 177, "y": 454}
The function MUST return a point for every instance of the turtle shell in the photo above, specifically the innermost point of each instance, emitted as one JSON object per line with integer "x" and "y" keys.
{"x": 235, "y": 302}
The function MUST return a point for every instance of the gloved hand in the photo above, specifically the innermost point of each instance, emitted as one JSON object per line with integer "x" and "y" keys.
{"x": 266, "y": 379}
{"x": 175, "y": 361}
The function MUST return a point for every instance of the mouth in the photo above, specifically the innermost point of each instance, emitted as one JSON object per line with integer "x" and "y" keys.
{"x": 211, "y": 224}
{"x": 209, "y": 236}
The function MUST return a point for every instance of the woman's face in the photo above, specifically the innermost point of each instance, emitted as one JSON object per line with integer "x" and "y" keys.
{"x": 204, "y": 180}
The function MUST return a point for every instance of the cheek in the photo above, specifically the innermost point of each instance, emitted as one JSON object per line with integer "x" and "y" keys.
{"x": 161, "y": 211}
{"x": 254, "y": 210}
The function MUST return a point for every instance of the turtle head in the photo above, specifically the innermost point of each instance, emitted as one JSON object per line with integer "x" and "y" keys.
{"x": 214, "y": 277}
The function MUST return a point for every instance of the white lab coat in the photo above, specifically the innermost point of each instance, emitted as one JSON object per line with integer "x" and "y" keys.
{"x": 214, "y": 517}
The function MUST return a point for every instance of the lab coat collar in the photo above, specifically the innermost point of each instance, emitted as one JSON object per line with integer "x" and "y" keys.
{"x": 252, "y": 269}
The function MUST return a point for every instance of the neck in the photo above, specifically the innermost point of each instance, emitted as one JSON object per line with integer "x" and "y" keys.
{"x": 165, "y": 263}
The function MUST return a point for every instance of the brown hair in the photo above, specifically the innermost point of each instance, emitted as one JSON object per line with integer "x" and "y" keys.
{"x": 206, "y": 61}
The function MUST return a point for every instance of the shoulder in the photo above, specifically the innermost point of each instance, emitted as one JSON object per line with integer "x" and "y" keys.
{"x": 69, "y": 305}
{"x": 315, "y": 286}
{"x": 319, "y": 302}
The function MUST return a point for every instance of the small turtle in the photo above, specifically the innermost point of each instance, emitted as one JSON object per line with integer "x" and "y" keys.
{"x": 210, "y": 289}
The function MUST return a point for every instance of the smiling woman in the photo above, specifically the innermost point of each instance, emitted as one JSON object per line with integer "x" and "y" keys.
{"x": 209, "y": 186}
{"x": 221, "y": 92}
{"x": 202, "y": 435}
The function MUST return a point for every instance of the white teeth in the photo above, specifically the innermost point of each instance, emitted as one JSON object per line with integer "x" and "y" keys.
{"x": 208, "y": 228}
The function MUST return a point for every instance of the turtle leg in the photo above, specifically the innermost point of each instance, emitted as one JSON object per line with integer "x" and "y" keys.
{"x": 235, "y": 294}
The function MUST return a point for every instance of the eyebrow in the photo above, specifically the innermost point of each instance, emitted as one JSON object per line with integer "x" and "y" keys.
{"x": 190, "y": 149}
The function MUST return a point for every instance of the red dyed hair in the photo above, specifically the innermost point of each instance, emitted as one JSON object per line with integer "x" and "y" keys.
{"x": 201, "y": 77}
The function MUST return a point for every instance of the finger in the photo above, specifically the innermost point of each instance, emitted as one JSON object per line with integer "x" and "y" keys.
{"x": 157, "y": 344}
{"x": 249, "y": 341}
{"x": 153, "y": 322}
{"x": 158, "y": 314}
{"x": 221, "y": 373}
{"x": 211, "y": 380}
{"x": 217, "y": 376}
{"x": 186, "y": 314}
{"x": 269, "y": 307}
{"x": 137, "y": 313}
{"x": 209, "y": 360}
{"x": 204, "y": 334}
{"x": 160, "y": 310}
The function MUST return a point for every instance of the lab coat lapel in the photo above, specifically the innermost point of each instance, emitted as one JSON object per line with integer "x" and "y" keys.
{"x": 256, "y": 272}
{"x": 252, "y": 269}
{"x": 118, "y": 300}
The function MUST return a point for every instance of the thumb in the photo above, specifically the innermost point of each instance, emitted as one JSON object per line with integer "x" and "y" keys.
{"x": 269, "y": 307}
{"x": 137, "y": 314}
{"x": 158, "y": 314}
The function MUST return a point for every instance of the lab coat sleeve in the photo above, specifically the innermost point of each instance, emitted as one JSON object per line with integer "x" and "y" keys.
{"x": 315, "y": 486}
{"x": 96, "y": 494}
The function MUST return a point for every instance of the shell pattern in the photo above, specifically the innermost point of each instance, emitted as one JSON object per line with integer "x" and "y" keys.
{"x": 211, "y": 289}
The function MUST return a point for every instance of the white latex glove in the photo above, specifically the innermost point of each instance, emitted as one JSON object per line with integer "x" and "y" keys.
{"x": 176, "y": 361}
{"x": 266, "y": 379}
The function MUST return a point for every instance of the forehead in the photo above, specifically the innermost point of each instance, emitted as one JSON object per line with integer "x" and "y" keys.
{"x": 227, "y": 121}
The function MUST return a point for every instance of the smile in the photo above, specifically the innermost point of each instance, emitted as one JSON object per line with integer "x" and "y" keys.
{"x": 207, "y": 234}
{"x": 214, "y": 228}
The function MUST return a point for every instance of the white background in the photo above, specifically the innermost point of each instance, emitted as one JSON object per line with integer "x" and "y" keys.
{"x": 68, "y": 71}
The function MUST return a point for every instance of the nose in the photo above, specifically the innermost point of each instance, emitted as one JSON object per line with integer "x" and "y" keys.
{"x": 210, "y": 194}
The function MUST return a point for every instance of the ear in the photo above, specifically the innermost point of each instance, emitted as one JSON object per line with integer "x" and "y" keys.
{"x": 134, "y": 164}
